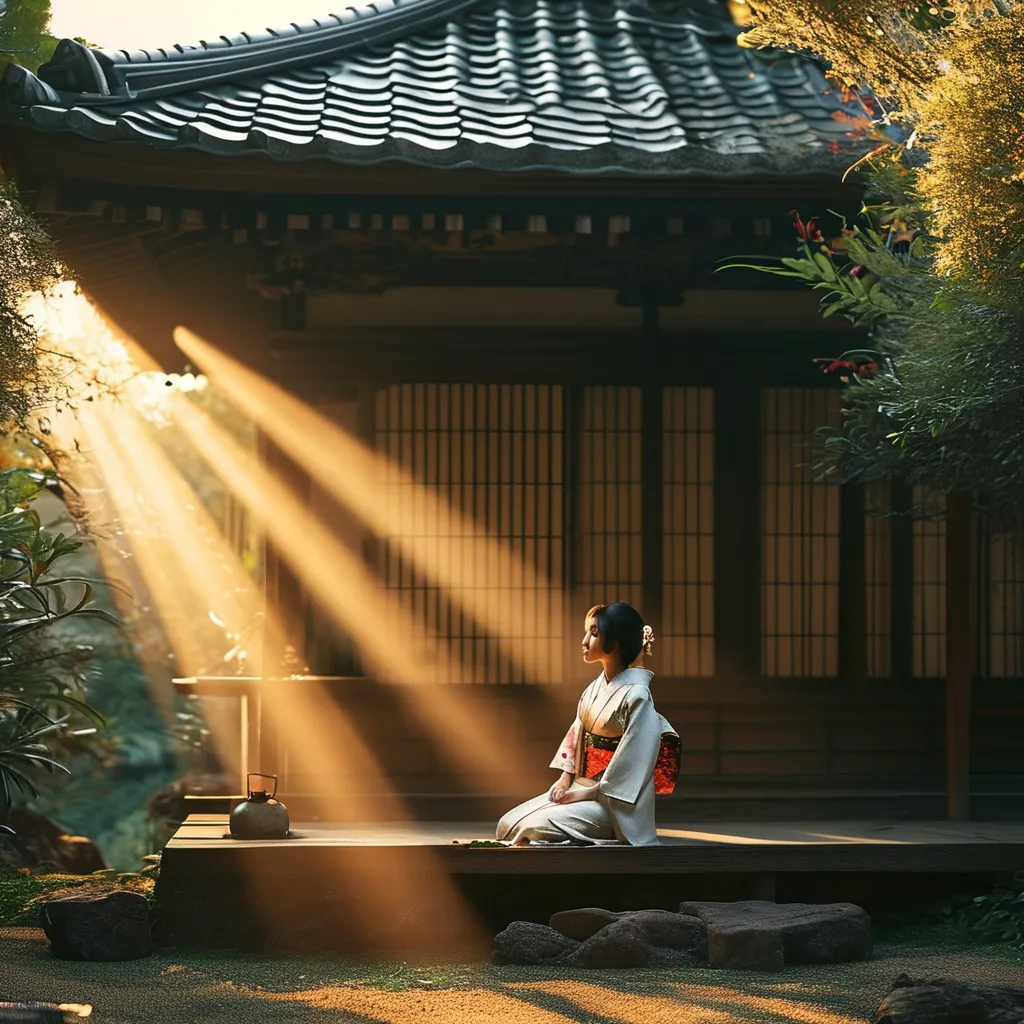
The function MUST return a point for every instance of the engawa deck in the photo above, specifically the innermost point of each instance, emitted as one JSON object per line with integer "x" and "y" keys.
{"x": 203, "y": 844}
{"x": 322, "y": 885}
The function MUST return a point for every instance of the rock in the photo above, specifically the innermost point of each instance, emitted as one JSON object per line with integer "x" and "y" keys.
{"x": 168, "y": 805}
{"x": 619, "y": 944}
{"x": 41, "y": 1013}
{"x": 672, "y": 931}
{"x": 745, "y": 946}
{"x": 660, "y": 927}
{"x": 945, "y": 1001}
{"x": 808, "y": 933}
{"x": 581, "y": 924}
{"x": 40, "y": 845}
{"x": 79, "y": 855}
{"x": 752, "y": 935}
{"x": 662, "y": 957}
{"x": 525, "y": 942}
{"x": 90, "y": 926}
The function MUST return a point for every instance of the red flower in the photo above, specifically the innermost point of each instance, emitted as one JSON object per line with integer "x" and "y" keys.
{"x": 848, "y": 366}
{"x": 836, "y": 364}
{"x": 809, "y": 232}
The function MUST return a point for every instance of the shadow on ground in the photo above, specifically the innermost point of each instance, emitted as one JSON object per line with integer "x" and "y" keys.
{"x": 184, "y": 986}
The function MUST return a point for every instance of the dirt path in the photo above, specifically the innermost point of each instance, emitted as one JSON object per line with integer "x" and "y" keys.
{"x": 201, "y": 987}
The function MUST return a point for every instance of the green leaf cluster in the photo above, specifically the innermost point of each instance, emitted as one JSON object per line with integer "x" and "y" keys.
{"x": 945, "y": 407}
{"x": 42, "y": 695}
{"x": 861, "y": 298}
{"x": 996, "y": 917}
{"x": 28, "y": 263}
{"x": 944, "y": 116}
{"x": 24, "y": 35}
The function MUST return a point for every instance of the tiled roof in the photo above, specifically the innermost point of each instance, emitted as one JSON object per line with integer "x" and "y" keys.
{"x": 640, "y": 86}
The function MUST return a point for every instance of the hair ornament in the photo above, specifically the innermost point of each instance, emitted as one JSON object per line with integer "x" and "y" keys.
{"x": 648, "y": 640}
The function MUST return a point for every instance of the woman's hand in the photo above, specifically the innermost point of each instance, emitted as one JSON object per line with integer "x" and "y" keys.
{"x": 557, "y": 792}
{"x": 576, "y": 795}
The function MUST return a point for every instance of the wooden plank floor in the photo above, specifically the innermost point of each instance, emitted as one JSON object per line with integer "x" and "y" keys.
{"x": 210, "y": 830}
{"x": 685, "y": 848}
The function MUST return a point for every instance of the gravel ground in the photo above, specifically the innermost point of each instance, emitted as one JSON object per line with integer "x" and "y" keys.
{"x": 179, "y": 986}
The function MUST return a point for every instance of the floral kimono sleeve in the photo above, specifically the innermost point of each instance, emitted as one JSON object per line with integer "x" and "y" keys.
{"x": 565, "y": 756}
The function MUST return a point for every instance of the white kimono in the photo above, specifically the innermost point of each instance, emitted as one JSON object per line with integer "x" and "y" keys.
{"x": 623, "y": 812}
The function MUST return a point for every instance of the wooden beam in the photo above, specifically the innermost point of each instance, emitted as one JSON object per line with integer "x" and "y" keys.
{"x": 961, "y": 607}
{"x": 32, "y": 154}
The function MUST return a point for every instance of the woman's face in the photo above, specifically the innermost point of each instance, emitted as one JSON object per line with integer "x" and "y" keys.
{"x": 591, "y": 642}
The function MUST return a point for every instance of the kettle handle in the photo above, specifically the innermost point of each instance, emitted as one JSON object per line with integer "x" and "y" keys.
{"x": 260, "y": 775}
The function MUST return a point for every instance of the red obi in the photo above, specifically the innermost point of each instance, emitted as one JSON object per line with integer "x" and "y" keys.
{"x": 598, "y": 751}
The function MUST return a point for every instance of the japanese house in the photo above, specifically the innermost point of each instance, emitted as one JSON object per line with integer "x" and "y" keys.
{"x": 492, "y": 227}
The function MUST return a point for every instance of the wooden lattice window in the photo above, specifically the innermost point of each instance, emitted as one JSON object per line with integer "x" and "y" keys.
{"x": 1004, "y": 606}
{"x": 610, "y": 497}
{"x": 800, "y": 537}
{"x": 999, "y": 648}
{"x": 686, "y": 646}
{"x": 929, "y": 591}
{"x": 494, "y": 453}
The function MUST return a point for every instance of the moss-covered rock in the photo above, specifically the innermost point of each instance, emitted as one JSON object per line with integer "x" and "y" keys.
{"x": 22, "y": 892}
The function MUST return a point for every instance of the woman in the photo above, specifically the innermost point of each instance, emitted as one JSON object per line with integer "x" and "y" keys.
{"x": 617, "y": 754}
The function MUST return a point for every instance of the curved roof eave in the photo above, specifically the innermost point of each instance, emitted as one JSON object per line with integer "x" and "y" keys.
{"x": 88, "y": 77}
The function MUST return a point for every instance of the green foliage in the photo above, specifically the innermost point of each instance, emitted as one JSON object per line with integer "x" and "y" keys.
{"x": 43, "y": 674}
{"x": 997, "y": 917}
{"x": 21, "y": 891}
{"x": 948, "y": 76}
{"x": 944, "y": 310}
{"x": 23, "y": 33}
{"x": 29, "y": 263}
{"x": 943, "y": 403}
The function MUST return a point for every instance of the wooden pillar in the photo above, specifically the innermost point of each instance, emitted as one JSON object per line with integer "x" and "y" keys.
{"x": 737, "y": 529}
{"x": 853, "y": 597}
{"x": 961, "y": 607}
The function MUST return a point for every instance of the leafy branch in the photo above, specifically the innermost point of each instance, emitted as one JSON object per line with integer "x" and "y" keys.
{"x": 43, "y": 674}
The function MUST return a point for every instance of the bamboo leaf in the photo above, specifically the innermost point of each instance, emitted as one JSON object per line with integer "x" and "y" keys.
{"x": 825, "y": 267}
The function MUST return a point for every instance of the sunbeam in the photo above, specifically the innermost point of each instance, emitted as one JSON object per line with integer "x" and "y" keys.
{"x": 188, "y": 573}
{"x": 393, "y": 645}
{"x": 352, "y": 474}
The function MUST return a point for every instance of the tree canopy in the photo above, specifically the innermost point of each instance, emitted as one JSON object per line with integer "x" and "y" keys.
{"x": 24, "y": 35}
{"x": 28, "y": 263}
{"x": 934, "y": 271}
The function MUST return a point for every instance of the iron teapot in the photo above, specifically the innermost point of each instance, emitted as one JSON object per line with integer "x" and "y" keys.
{"x": 260, "y": 816}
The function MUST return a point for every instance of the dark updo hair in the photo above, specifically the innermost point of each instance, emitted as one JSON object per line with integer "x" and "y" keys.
{"x": 619, "y": 623}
